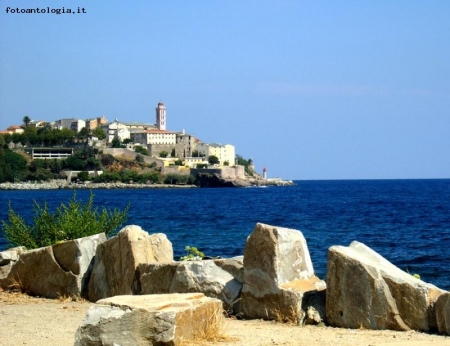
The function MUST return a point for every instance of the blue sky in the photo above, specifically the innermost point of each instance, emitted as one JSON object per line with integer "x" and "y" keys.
{"x": 309, "y": 89}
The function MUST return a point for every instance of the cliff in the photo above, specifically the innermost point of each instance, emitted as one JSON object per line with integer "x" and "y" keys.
{"x": 215, "y": 180}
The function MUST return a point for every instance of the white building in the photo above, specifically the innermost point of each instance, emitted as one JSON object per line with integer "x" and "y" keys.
{"x": 73, "y": 124}
{"x": 116, "y": 129}
{"x": 148, "y": 137}
{"x": 77, "y": 125}
{"x": 222, "y": 152}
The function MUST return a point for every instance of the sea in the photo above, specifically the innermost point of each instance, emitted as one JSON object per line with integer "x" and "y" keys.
{"x": 405, "y": 221}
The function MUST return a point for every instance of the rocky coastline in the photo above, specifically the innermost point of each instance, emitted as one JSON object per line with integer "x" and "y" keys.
{"x": 212, "y": 181}
{"x": 215, "y": 180}
{"x": 55, "y": 185}
{"x": 134, "y": 271}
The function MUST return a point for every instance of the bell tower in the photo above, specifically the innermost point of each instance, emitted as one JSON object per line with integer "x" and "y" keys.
{"x": 161, "y": 116}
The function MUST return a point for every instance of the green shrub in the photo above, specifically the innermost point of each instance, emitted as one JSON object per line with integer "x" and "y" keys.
{"x": 178, "y": 179}
{"x": 107, "y": 177}
{"x": 141, "y": 150}
{"x": 70, "y": 221}
{"x": 75, "y": 163}
{"x": 107, "y": 159}
{"x": 192, "y": 254}
{"x": 83, "y": 176}
{"x": 40, "y": 175}
{"x": 163, "y": 153}
{"x": 140, "y": 158}
{"x": 13, "y": 167}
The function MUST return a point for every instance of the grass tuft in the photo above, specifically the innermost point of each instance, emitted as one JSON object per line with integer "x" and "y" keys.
{"x": 212, "y": 330}
{"x": 62, "y": 298}
{"x": 291, "y": 318}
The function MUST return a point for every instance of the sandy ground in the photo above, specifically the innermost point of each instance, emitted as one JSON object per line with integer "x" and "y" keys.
{"x": 36, "y": 321}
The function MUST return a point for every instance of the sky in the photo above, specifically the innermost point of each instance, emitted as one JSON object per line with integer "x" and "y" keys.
{"x": 308, "y": 89}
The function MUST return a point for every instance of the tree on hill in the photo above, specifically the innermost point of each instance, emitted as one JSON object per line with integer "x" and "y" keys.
{"x": 246, "y": 163}
{"x": 213, "y": 160}
{"x": 115, "y": 143}
{"x": 83, "y": 134}
{"x": 99, "y": 133}
{"x": 64, "y": 136}
{"x": 75, "y": 163}
{"x": 26, "y": 120}
{"x": 31, "y": 135}
{"x": 12, "y": 166}
{"x": 7, "y": 138}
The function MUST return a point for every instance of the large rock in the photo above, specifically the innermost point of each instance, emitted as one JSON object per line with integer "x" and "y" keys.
{"x": 117, "y": 259}
{"x": 366, "y": 290}
{"x": 443, "y": 313}
{"x": 216, "y": 278}
{"x": 278, "y": 273}
{"x": 59, "y": 270}
{"x": 7, "y": 260}
{"x": 167, "y": 319}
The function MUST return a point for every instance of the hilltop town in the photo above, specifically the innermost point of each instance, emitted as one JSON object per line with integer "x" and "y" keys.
{"x": 101, "y": 151}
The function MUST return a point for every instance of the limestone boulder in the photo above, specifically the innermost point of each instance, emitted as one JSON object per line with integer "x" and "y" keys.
{"x": 156, "y": 278}
{"x": 443, "y": 313}
{"x": 60, "y": 270}
{"x": 278, "y": 274}
{"x": 167, "y": 319}
{"x": 216, "y": 278}
{"x": 117, "y": 259}
{"x": 7, "y": 260}
{"x": 366, "y": 290}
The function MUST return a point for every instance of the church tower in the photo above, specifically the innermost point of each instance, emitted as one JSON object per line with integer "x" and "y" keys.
{"x": 161, "y": 116}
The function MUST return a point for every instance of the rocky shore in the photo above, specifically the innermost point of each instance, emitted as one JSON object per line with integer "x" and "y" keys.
{"x": 210, "y": 182}
{"x": 54, "y": 185}
{"x": 215, "y": 180}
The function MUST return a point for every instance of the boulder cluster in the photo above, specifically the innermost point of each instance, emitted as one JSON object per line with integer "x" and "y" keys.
{"x": 141, "y": 293}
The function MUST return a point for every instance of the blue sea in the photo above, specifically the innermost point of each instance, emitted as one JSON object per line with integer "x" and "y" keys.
{"x": 406, "y": 221}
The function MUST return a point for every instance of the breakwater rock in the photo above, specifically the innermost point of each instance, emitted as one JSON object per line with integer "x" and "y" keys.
{"x": 209, "y": 181}
{"x": 62, "y": 184}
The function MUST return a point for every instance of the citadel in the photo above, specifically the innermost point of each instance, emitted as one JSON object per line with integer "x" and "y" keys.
{"x": 165, "y": 145}
{"x": 171, "y": 152}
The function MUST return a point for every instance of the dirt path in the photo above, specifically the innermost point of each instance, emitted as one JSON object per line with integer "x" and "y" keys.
{"x": 35, "y": 321}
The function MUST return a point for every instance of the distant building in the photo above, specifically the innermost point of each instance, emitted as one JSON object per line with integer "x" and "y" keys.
{"x": 148, "y": 137}
{"x": 38, "y": 123}
{"x": 114, "y": 129}
{"x": 161, "y": 116}
{"x": 137, "y": 126}
{"x": 15, "y": 129}
{"x": 73, "y": 124}
{"x": 192, "y": 162}
{"x": 159, "y": 139}
{"x": 225, "y": 153}
{"x": 77, "y": 125}
{"x": 92, "y": 124}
